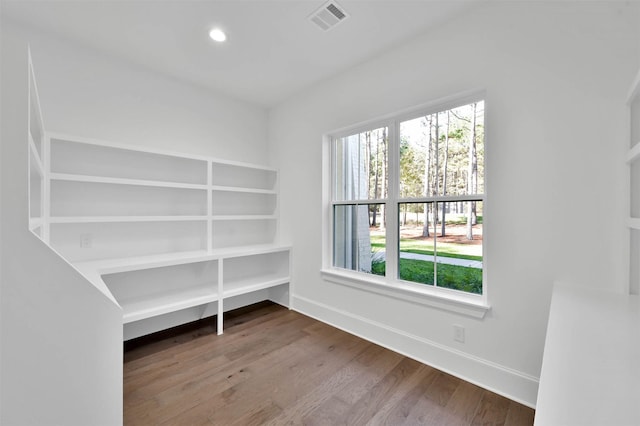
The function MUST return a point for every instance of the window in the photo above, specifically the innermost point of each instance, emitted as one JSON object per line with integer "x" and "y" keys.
{"x": 407, "y": 198}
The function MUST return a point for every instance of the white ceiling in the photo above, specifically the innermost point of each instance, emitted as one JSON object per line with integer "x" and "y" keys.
{"x": 272, "y": 51}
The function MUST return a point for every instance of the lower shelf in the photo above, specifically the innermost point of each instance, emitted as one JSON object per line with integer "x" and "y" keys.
{"x": 150, "y": 306}
{"x": 161, "y": 291}
{"x": 236, "y": 288}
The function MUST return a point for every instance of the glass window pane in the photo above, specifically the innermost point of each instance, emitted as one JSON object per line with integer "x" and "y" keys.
{"x": 459, "y": 246}
{"x": 461, "y": 150}
{"x": 359, "y": 238}
{"x": 417, "y": 157}
{"x": 416, "y": 246}
{"x": 443, "y": 153}
{"x": 361, "y": 166}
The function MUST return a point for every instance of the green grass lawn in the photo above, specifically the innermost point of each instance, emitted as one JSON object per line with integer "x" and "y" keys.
{"x": 421, "y": 271}
{"x": 457, "y": 251}
{"x": 449, "y": 276}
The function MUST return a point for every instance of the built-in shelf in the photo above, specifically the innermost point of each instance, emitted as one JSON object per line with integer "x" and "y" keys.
{"x": 144, "y": 307}
{"x": 136, "y": 263}
{"x": 166, "y": 236}
{"x": 235, "y": 288}
{"x": 240, "y": 189}
{"x": 36, "y": 127}
{"x": 157, "y": 291}
{"x": 244, "y": 217}
{"x": 124, "y": 181}
{"x": 123, "y": 219}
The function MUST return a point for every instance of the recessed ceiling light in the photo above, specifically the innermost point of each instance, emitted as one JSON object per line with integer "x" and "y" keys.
{"x": 218, "y": 35}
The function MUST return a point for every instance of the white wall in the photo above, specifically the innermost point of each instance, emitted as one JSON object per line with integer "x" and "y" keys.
{"x": 61, "y": 348}
{"x": 88, "y": 93}
{"x": 556, "y": 77}
{"x": 61, "y": 358}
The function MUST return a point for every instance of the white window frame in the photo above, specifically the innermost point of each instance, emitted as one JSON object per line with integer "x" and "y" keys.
{"x": 469, "y": 304}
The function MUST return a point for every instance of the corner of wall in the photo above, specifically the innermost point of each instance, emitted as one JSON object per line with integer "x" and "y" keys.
{"x": 46, "y": 378}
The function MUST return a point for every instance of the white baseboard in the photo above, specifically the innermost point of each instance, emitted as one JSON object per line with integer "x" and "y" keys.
{"x": 505, "y": 381}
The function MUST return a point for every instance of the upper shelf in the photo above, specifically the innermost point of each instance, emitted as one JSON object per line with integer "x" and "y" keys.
{"x": 114, "y": 219}
{"x": 89, "y": 160}
{"x": 69, "y": 157}
{"x": 242, "y": 189}
{"x": 111, "y": 266}
{"x": 229, "y": 176}
{"x": 124, "y": 181}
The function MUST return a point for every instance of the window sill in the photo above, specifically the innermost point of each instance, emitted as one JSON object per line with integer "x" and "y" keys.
{"x": 448, "y": 300}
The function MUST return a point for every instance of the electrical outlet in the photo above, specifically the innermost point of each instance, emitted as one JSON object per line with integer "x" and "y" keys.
{"x": 85, "y": 240}
{"x": 458, "y": 333}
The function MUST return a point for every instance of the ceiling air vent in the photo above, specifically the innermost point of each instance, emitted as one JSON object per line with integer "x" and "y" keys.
{"x": 328, "y": 16}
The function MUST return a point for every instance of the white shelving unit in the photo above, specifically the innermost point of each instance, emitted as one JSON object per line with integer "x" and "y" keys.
{"x": 170, "y": 237}
{"x": 633, "y": 160}
{"x": 155, "y": 285}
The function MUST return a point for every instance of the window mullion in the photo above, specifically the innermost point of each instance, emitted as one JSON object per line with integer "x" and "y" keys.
{"x": 393, "y": 188}
{"x": 436, "y": 204}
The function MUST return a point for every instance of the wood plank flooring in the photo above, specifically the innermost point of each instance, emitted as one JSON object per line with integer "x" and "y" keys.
{"x": 274, "y": 366}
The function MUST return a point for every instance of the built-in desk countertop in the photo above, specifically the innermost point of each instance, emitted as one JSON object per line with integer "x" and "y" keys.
{"x": 591, "y": 364}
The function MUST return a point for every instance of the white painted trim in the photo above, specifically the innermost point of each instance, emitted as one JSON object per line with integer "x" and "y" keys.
{"x": 220, "y": 317}
{"x": 209, "y": 206}
{"x": 442, "y": 198}
{"x": 513, "y": 384}
{"x": 441, "y": 298}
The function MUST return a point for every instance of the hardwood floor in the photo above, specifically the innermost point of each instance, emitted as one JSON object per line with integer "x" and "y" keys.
{"x": 274, "y": 366}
